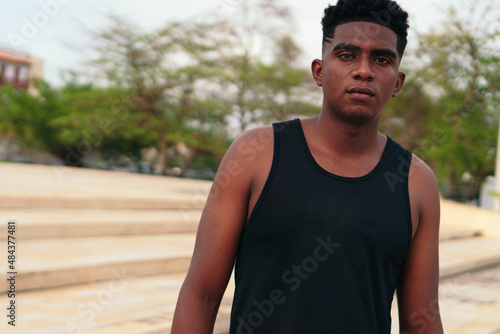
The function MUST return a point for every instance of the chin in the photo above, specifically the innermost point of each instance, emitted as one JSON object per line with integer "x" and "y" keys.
{"x": 356, "y": 116}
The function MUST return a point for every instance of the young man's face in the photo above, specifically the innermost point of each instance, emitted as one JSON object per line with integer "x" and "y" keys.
{"x": 359, "y": 72}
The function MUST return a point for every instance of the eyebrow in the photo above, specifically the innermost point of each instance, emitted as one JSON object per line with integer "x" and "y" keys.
{"x": 346, "y": 46}
{"x": 354, "y": 48}
{"x": 385, "y": 52}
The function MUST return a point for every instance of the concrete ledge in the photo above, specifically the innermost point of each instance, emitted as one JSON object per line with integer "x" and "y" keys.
{"x": 484, "y": 324}
{"x": 74, "y": 223}
{"x": 39, "y": 186}
{"x": 44, "y": 263}
{"x": 90, "y": 201}
{"x": 49, "y": 278}
{"x": 466, "y": 216}
{"x": 122, "y": 305}
{"x": 447, "y": 232}
{"x": 467, "y": 255}
{"x": 105, "y": 229}
{"x": 469, "y": 266}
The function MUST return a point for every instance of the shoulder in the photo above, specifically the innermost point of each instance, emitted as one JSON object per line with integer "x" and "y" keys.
{"x": 422, "y": 177}
{"x": 250, "y": 147}
{"x": 252, "y": 141}
{"x": 246, "y": 155}
{"x": 423, "y": 190}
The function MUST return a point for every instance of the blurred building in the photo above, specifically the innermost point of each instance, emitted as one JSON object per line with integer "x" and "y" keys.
{"x": 20, "y": 70}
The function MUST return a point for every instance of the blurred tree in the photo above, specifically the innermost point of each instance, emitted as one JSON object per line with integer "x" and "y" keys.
{"x": 134, "y": 62}
{"x": 98, "y": 119}
{"x": 159, "y": 72}
{"x": 261, "y": 78}
{"x": 181, "y": 86}
{"x": 287, "y": 90}
{"x": 198, "y": 108}
{"x": 406, "y": 117}
{"x": 461, "y": 71}
{"x": 26, "y": 118}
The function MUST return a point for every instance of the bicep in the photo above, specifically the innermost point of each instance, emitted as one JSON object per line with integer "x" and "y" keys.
{"x": 418, "y": 286}
{"x": 218, "y": 234}
{"x": 222, "y": 222}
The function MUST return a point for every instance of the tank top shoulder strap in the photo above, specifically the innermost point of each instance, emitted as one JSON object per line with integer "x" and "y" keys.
{"x": 396, "y": 161}
{"x": 290, "y": 150}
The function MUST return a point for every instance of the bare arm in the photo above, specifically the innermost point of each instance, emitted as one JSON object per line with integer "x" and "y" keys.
{"x": 218, "y": 236}
{"x": 418, "y": 286}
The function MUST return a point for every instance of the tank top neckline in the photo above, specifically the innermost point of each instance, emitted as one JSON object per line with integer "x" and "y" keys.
{"x": 313, "y": 161}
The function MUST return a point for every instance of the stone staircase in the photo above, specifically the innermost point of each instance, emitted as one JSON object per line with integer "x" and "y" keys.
{"x": 107, "y": 252}
{"x": 97, "y": 251}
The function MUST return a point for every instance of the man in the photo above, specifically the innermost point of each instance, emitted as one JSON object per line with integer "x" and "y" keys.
{"x": 325, "y": 217}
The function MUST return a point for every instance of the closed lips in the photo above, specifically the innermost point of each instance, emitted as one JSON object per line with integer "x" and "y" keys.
{"x": 362, "y": 91}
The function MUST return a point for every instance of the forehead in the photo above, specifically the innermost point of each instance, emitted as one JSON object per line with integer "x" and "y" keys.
{"x": 365, "y": 34}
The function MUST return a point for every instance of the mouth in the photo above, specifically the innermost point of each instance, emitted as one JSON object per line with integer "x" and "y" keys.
{"x": 358, "y": 90}
{"x": 362, "y": 95}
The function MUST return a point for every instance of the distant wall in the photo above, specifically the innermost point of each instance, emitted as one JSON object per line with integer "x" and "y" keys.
{"x": 462, "y": 215}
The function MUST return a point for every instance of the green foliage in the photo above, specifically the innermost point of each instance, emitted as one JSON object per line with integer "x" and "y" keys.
{"x": 406, "y": 117}
{"x": 27, "y": 118}
{"x": 180, "y": 88}
{"x": 268, "y": 91}
{"x": 176, "y": 89}
{"x": 447, "y": 112}
{"x": 100, "y": 119}
{"x": 157, "y": 76}
{"x": 263, "y": 84}
{"x": 460, "y": 66}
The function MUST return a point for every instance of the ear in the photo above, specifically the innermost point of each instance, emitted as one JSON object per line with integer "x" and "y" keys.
{"x": 399, "y": 83}
{"x": 317, "y": 71}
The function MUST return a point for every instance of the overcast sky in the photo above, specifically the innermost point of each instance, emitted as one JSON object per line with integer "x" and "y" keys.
{"x": 57, "y": 30}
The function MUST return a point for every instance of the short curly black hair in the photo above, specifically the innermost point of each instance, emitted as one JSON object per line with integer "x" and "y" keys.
{"x": 384, "y": 12}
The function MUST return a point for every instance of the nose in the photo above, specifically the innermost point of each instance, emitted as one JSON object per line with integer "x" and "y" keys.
{"x": 363, "y": 71}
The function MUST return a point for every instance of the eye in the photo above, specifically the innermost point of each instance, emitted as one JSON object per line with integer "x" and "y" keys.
{"x": 382, "y": 60}
{"x": 346, "y": 56}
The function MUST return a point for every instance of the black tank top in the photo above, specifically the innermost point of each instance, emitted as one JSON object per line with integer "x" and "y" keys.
{"x": 322, "y": 253}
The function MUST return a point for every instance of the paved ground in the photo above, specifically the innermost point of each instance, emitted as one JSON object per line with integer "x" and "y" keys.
{"x": 469, "y": 304}
{"x": 102, "y": 252}
{"x": 123, "y": 305}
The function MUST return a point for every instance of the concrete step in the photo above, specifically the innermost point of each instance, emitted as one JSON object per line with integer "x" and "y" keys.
{"x": 66, "y": 223}
{"x": 43, "y": 263}
{"x": 465, "y": 255}
{"x": 88, "y": 242}
{"x": 124, "y": 304}
{"x": 145, "y": 305}
{"x": 460, "y": 215}
{"x": 28, "y": 186}
{"x": 468, "y": 304}
{"x": 451, "y": 232}
{"x": 46, "y": 263}
{"x": 97, "y": 201}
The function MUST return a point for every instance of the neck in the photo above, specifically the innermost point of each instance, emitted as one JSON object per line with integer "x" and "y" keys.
{"x": 348, "y": 138}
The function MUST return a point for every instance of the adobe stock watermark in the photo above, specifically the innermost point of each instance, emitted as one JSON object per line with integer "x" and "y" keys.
{"x": 382, "y": 19}
{"x": 293, "y": 278}
{"x": 249, "y": 150}
{"x": 402, "y": 173}
{"x": 88, "y": 310}
{"x": 32, "y": 25}
{"x": 226, "y": 6}
{"x": 448, "y": 294}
